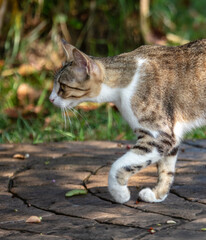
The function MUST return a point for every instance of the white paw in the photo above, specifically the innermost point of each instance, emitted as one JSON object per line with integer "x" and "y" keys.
{"x": 120, "y": 194}
{"x": 147, "y": 195}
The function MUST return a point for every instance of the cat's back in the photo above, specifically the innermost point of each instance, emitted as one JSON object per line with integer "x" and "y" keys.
{"x": 184, "y": 61}
{"x": 156, "y": 51}
{"x": 174, "y": 76}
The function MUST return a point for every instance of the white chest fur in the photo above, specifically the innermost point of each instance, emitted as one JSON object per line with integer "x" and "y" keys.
{"x": 122, "y": 97}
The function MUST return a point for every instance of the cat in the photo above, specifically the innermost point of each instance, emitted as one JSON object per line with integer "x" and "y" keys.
{"x": 159, "y": 90}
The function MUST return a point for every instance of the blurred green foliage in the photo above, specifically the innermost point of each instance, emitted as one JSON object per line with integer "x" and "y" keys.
{"x": 98, "y": 27}
{"x": 101, "y": 27}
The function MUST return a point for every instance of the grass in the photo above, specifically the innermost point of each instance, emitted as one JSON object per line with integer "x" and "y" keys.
{"x": 20, "y": 126}
{"x": 103, "y": 123}
{"x": 30, "y": 24}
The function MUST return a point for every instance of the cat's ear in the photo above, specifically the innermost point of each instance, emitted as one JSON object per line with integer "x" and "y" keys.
{"x": 68, "y": 49}
{"x": 85, "y": 62}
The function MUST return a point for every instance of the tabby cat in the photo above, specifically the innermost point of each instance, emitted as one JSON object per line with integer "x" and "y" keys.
{"x": 159, "y": 90}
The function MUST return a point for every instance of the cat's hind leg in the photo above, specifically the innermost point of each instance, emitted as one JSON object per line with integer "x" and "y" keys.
{"x": 166, "y": 171}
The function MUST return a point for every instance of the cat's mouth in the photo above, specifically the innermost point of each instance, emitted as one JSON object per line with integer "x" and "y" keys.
{"x": 62, "y": 103}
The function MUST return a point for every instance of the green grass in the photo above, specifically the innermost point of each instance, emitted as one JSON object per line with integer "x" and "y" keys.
{"x": 199, "y": 133}
{"x": 101, "y": 124}
{"x": 115, "y": 29}
{"x": 104, "y": 123}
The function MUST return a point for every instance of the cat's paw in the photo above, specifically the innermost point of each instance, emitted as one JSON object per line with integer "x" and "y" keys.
{"x": 120, "y": 194}
{"x": 147, "y": 195}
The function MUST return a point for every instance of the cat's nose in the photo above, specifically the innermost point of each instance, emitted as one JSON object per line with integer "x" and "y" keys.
{"x": 51, "y": 100}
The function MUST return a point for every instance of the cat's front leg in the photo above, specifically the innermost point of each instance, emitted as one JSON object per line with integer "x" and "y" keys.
{"x": 160, "y": 147}
{"x": 127, "y": 165}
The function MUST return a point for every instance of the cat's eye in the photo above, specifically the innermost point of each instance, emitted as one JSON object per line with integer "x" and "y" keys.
{"x": 62, "y": 87}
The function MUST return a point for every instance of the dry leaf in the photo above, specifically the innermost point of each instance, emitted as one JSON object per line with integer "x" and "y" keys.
{"x": 89, "y": 106}
{"x": 2, "y": 62}
{"x": 19, "y": 156}
{"x": 26, "y": 69}
{"x": 171, "y": 222}
{"x": 8, "y": 72}
{"x": 26, "y": 92}
{"x": 33, "y": 219}
{"x": 120, "y": 136}
{"x": 120, "y": 145}
{"x": 12, "y": 112}
{"x": 32, "y": 109}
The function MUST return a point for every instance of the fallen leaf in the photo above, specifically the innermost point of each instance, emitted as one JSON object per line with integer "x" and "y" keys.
{"x": 26, "y": 69}
{"x": 2, "y": 62}
{"x": 19, "y": 156}
{"x": 89, "y": 106}
{"x": 33, "y": 219}
{"x": 120, "y": 136}
{"x": 75, "y": 192}
{"x": 26, "y": 92}
{"x": 171, "y": 222}
{"x": 203, "y": 229}
{"x": 120, "y": 145}
{"x": 9, "y": 72}
{"x": 12, "y": 112}
{"x": 151, "y": 230}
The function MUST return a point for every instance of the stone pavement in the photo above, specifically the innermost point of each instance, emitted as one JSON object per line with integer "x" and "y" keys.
{"x": 36, "y": 186}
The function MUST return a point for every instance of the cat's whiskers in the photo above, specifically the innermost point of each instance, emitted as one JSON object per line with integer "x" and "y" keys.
{"x": 72, "y": 110}
{"x": 64, "y": 116}
{"x": 67, "y": 113}
{"x": 81, "y": 115}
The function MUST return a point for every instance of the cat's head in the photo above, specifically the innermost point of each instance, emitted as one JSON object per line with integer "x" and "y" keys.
{"x": 78, "y": 80}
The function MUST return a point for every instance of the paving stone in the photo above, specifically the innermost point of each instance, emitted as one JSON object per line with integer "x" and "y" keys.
{"x": 13, "y": 209}
{"x": 32, "y": 236}
{"x": 191, "y": 153}
{"x": 172, "y": 206}
{"x": 51, "y": 170}
{"x": 171, "y": 234}
{"x": 75, "y": 228}
{"x": 195, "y": 225}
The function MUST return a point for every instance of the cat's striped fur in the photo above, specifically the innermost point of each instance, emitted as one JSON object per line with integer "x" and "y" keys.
{"x": 160, "y": 91}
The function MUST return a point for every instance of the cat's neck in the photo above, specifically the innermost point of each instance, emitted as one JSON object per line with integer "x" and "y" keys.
{"x": 119, "y": 85}
{"x": 120, "y": 75}
{"x": 118, "y": 70}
